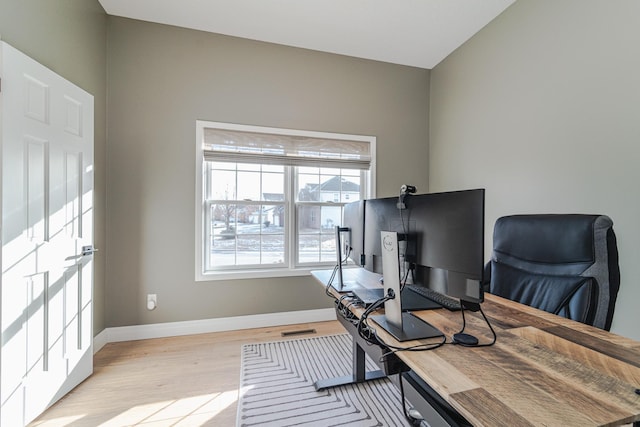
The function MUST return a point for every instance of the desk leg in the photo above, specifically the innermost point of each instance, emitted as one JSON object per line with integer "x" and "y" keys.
{"x": 359, "y": 369}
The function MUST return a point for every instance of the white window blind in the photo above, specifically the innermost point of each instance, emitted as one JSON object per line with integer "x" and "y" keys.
{"x": 302, "y": 149}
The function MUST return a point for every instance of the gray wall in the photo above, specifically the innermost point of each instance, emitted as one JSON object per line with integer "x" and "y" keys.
{"x": 70, "y": 38}
{"x": 542, "y": 108}
{"x": 161, "y": 79}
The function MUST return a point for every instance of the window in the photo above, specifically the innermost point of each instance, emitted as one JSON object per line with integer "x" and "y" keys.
{"x": 268, "y": 199}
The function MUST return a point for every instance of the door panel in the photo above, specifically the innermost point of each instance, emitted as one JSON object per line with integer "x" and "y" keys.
{"x": 47, "y": 217}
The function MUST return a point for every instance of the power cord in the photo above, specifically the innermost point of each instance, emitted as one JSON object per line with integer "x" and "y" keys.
{"x": 330, "y": 281}
{"x": 343, "y": 307}
{"x": 467, "y": 340}
{"x": 414, "y": 417}
{"x": 335, "y": 271}
{"x": 370, "y": 335}
{"x": 408, "y": 267}
{"x": 363, "y": 328}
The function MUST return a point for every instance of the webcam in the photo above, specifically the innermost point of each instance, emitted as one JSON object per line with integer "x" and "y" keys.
{"x": 404, "y": 189}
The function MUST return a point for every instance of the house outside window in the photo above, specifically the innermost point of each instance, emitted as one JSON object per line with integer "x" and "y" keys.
{"x": 269, "y": 199}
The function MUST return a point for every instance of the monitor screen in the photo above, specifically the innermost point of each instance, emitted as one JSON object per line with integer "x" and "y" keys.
{"x": 444, "y": 235}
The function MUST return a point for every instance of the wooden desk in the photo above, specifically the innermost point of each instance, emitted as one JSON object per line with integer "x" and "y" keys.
{"x": 544, "y": 370}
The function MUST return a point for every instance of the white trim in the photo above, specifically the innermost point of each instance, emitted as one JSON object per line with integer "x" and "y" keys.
{"x": 100, "y": 341}
{"x": 172, "y": 329}
{"x": 257, "y": 273}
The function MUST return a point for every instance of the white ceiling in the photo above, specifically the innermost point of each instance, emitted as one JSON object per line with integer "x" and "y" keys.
{"x": 419, "y": 33}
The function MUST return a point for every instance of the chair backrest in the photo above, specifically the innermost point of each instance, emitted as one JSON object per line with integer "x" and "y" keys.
{"x": 566, "y": 264}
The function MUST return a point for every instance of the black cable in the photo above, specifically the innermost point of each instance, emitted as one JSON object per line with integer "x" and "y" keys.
{"x": 362, "y": 323}
{"x": 412, "y": 420}
{"x": 347, "y": 255}
{"x": 417, "y": 347}
{"x": 376, "y": 340}
{"x": 330, "y": 281}
{"x": 404, "y": 407}
{"x": 335, "y": 270}
{"x": 405, "y": 231}
{"x": 403, "y": 281}
{"x": 464, "y": 324}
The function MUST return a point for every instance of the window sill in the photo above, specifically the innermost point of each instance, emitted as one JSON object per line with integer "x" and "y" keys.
{"x": 255, "y": 274}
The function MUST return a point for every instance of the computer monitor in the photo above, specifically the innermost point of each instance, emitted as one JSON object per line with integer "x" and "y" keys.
{"x": 449, "y": 237}
{"x": 342, "y": 285}
{"x": 445, "y": 240}
{"x": 353, "y": 219}
{"x": 402, "y": 325}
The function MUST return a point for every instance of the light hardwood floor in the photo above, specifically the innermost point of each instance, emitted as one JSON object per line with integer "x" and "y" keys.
{"x": 179, "y": 381}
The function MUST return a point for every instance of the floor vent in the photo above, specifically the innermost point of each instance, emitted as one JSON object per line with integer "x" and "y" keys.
{"x": 300, "y": 332}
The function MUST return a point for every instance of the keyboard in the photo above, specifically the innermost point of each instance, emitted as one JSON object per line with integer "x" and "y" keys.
{"x": 447, "y": 302}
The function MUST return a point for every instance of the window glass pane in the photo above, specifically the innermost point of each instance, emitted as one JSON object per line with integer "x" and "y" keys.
{"x": 222, "y": 258}
{"x": 248, "y": 219}
{"x": 273, "y": 187}
{"x": 309, "y": 219}
{"x": 249, "y": 185}
{"x": 331, "y": 216}
{"x": 350, "y": 189}
{"x": 223, "y": 184}
{"x": 273, "y": 249}
{"x": 328, "y": 248}
{"x": 314, "y": 248}
{"x": 308, "y": 188}
{"x": 333, "y": 188}
{"x": 316, "y": 233}
{"x": 223, "y": 251}
{"x": 223, "y": 217}
{"x": 272, "y": 219}
{"x": 248, "y": 249}
{"x": 329, "y": 190}
{"x": 309, "y": 248}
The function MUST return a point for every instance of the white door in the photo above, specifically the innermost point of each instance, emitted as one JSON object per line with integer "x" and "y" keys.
{"x": 46, "y": 140}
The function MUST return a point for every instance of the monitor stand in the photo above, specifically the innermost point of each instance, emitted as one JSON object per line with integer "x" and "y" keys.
{"x": 402, "y": 325}
{"x": 347, "y": 286}
{"x": 411, "y": 327}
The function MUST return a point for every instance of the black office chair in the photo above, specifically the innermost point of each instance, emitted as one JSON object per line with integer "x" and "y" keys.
{"x": 563, "y": 264}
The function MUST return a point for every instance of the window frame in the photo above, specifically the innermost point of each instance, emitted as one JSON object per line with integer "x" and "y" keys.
{"x": 291, "y": 267}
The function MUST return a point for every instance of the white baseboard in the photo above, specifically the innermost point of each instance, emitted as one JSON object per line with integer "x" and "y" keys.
{"x": 100, "y": 341}
{"x": 172, "y": 329}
